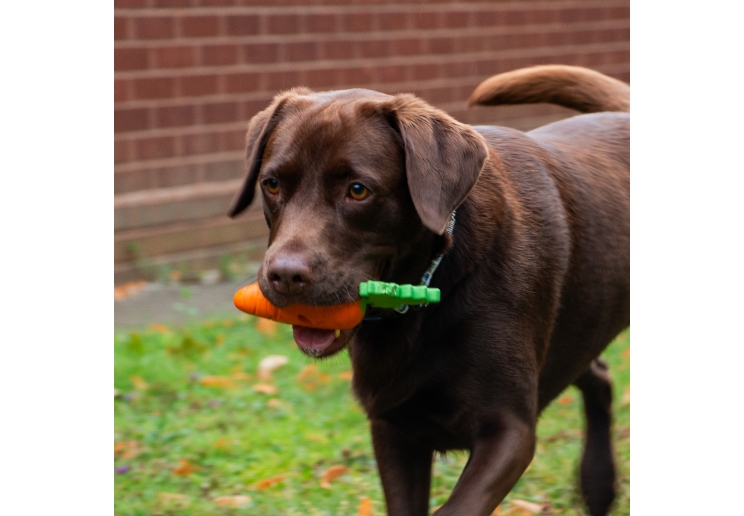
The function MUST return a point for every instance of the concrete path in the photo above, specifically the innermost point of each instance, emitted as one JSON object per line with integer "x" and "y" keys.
{"x": 177, "y": 304}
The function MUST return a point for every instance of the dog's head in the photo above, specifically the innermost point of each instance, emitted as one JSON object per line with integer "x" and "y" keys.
{"x": 356, "y": 185}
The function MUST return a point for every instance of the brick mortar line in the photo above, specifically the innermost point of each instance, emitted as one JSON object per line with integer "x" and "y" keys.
{"x": 176, "y": 193}
{"x": 183, "y": 130}
{"x": 154, "y": 12}
{"x": 392, "y": 35}
{"x": 130, "y": 233}
{"x": 355, "y": 63}
{"x": 194, "y": 159}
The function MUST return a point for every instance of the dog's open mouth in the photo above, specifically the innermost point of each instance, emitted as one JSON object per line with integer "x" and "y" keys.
{"x": 320, "y": 343}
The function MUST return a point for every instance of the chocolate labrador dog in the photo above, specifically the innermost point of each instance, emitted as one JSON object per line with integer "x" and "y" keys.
{"x": 533, "y": 234}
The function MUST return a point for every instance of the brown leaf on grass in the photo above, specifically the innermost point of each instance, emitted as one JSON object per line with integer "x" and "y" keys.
{"x": 219, "y": 339}
{"x": 626, "y": 396}
{"x": 160, "y": 328}
{"x": 276, "y": 403}
{"x": 526, "y": 508}
{"x": 565, "y": 400}
{"x": 218, "y": 382}
{"x": 263, "y": 485}
{"x": 265, "y": 388}
{"x": 266, "y": 326}
{"x": 269, "y": 364}
{"x": 365, "y": 507}
{"x": 309, "y": 386}
{"x": 331, "y": 474}
{"x": 307, "y": 371}
{"x": 139, "y": 383}
{"x": 234, "y": 501}
{"x": 174, "y": 500}
{"x": 127, "y": 449}
{"x": 241, "y": 376}
{"x": 222, "y": 443}
{"x": 183, "y": 468}
{"x": 345, "y": 375}
{"x": 625, "y": 353}
{"x": 496, "y": 511}
{"x": 323, "y": 378}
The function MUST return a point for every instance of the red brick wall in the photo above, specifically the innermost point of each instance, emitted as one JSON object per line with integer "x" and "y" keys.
{"x": 189, "y": 74}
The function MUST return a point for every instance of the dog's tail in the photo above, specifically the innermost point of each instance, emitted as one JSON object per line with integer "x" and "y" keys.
{"x": 574, "y": 87}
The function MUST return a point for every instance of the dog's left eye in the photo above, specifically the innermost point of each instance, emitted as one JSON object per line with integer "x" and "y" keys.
{"x": 359, "y": 192}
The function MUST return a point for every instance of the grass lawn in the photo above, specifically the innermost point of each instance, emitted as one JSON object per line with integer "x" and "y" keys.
{"x": 198, "y": 432}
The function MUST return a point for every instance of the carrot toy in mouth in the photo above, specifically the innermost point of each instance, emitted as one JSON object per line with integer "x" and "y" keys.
{"x": 338, "y": 317}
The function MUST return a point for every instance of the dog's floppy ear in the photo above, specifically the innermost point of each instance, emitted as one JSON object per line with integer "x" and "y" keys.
{"x": 259, "y": 129}
{"x": 443, "y": 158}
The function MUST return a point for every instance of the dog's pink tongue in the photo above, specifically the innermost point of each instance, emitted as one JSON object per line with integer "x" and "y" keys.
{"x": 313, "y": 338}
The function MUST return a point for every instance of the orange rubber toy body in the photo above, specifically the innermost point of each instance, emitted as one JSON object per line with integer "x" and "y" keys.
{"x": 339, "y": 317}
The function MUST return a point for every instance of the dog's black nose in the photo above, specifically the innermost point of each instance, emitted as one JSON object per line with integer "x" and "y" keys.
{"x": 289, "y": 274}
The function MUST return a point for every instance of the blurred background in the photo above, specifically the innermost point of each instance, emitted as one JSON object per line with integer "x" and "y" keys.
{"x": 189, "y": 74}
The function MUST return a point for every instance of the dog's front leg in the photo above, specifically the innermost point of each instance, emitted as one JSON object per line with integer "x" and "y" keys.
{"x": 405, "y": 470}
{"x": 497, "y": 460}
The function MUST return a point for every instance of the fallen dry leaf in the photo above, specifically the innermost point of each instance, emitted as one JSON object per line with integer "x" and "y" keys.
{"x": 160, "y": 328}
{"x": 266, "y": 326}
{"x": 233, "y": 501}
{"x": 139, "y": 383}
{"x": 265, "y": 388}
{"x": 626, "y": 396}
{"x": 263, "y": 485}
{"x": 128, "y": 289}
{"x": 269, "y": 364}
{"x": 528, "y": 508}
{"x": 183, "y": 468}
{"x": 496, "y": 511}
{"x": 625, "y": 353}
{"x": 174, "y": 499}
{"x": 127, "y": 449}
{"x": 365, "y": 507}
{"x": 242, "y": 376}
{"x": 309, "y": 386}
{"x": 331, "y": 474}
{"x": 276, "y": 403}
{"x": 345, "y": 375}
{"x": 219, "y": 339}
{"x": 218, "y": 382}
{"x": 565, "y": 400}
{"x": 323, "y": 378}
{"x": 222, "y": 443}
{"x": 307, "y": 371}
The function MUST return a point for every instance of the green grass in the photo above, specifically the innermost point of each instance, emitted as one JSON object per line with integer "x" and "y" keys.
{"x": 235, "y": 437}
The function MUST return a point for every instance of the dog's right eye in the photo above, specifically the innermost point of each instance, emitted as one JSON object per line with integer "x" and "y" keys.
{"x": 272, "y": 185}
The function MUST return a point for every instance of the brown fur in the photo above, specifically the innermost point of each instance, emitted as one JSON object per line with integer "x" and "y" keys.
{"x": 579, "y": 88}
{"x": 535, "y": 279}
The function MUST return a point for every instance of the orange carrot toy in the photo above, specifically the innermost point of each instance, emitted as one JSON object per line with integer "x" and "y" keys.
{"x": 339, "y": 317}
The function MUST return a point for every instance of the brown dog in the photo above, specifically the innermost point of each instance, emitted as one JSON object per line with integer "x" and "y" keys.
{"x": 534, "y": 280}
